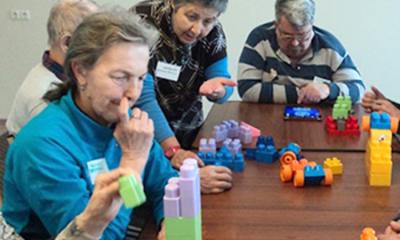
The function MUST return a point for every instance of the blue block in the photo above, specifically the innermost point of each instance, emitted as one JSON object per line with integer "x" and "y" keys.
{"x": 313, "y": 175}
{"x": 266, "y": 140}
{"x": 224, "y": 158}
{"x": 380, "y": 121}
{"x": 291, "y": 147}
{"x": 265, "y": 151}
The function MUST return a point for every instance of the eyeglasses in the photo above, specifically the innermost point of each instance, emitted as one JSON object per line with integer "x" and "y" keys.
{"x": 300, "y": 37}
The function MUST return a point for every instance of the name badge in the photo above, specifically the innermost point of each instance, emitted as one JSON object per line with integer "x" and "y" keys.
{"x": 168, "y": 71}
{"x": 96, "y": 167}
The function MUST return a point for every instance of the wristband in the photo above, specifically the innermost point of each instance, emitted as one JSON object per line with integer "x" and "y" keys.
{"x": 131, "y": 191}
{"x": 171, "y": 151}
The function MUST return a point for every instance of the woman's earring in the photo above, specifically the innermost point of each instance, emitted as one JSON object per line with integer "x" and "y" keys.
{"x": 82, "y": 87}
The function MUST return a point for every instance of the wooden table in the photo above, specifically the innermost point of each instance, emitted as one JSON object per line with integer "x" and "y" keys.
{"x": 260, "y": 206}
{"x": 310, "y": 135}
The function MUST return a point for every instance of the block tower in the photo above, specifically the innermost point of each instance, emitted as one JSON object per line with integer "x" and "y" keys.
{"x": 342, "y": 122}
{"x": 182, "y": 205}
{"x": 378, "y": 158}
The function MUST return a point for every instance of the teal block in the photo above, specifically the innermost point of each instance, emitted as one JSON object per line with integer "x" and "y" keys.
{"x": 131, "y": 191}
{"x": 182, "y": 228}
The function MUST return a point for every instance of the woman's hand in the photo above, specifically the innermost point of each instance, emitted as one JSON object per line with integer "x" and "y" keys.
{"x": 178, "y": 158}
{"x": 134, "y": 135}
{"x": 215, "y": 88}
{"x": 104, "y": 203}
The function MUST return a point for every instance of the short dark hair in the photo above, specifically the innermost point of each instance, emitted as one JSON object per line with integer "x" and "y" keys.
{"x": 219, "y": 5}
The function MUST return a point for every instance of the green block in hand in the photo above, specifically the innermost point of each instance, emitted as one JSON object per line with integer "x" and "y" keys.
{"x": 131, "y": 191}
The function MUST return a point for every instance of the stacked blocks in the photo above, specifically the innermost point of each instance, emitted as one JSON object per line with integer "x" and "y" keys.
{"x": 378, "y": 153}
{"x": 182, "y": 204}
{"x": 225, "y": 158}
{"x": 232, "y": 129}
{"x": 335, "y": 165}
{"x": 131, "y": 191}
{"x": 341, "y": 122}
{"x": 208, "y": 145}
{"x": 255, "y": 131}
{"x": 301, "y": 171}
{"x": 265, "y": 151}
{"x": 234, "y": 146}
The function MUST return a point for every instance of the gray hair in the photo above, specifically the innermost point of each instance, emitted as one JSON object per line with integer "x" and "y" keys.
{"x": 219, "y": 5}
{"x": 96, "y": 34}
{"x": 297, "y": 12}
{"x": 65, "y": 16}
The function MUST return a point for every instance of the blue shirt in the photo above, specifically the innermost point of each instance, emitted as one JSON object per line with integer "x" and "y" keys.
{"x": 47, "y": 182}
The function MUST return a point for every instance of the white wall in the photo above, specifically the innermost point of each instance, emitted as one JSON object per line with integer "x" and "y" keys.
{"x": 368, "y": 29}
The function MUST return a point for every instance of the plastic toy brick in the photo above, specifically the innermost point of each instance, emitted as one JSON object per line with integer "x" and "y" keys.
{"x": 255, "y": 131}
{"x": 224, "y": 158}
{"x": 233, "y": 128}
{"x": 245, "y": 135}
{"x": 379, "y": 153}
{"x": 342, "y": 107}
{"x": 182, "y": 206}
{"x": 351, "y": 126}
{"x": 208, "y": 145}
{"x": 335, "y": 165}
{"x": 289, "y": 153}
{"x": 368, "y": 234}
{"x": 380, "y": 121}
{"x": 131, "y": 191}
{"x": 234, "y": 146}
{"x": 220, "y": 133}
{"x": 313, "y": 175}
{"x": 265, "y": 150}
{"x": 288, "y": 171}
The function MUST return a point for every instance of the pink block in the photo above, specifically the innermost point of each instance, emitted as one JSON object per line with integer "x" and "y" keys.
{"x": 255, "y": 131}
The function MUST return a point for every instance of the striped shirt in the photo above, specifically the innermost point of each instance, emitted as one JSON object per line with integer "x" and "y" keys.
{"x": 266, "y": 75}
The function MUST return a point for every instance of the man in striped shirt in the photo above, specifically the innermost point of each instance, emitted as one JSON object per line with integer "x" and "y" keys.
{"x": 292, "y": 61}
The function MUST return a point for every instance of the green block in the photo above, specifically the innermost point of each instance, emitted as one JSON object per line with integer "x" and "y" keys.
{"x": 183, "y": 228}
{"x": 131, "y": 191}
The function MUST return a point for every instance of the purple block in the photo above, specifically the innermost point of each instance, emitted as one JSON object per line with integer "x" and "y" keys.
{"x": 190, "y": 194}
{"x": 207, "y": 145}
{"x": 174, "y": 180}
{"x": 245, "y": 135}
{"x": 220, "y": 133}
{"x": 233, "y": 128}
{"x": 171, "y": 201}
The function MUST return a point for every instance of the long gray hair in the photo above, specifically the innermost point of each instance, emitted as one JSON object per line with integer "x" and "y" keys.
{"x": 219, "y": 5}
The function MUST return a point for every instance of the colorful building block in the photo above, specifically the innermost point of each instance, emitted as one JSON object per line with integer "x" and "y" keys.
{"x": 182, "y": 204}
{"x": 131, "y": 191}
{"x": 368, "y": 234}
{"x": 378, "y": 157}
{"x": 289, "y": 153}
{"x": 335, "y": 165}
{"x": 255, "y": 131}
{"x": 341, "y": 122}
{"x": 232, "y": 129}
{"x": 224, "y": 158}
{"x": 234, "y": 146}
{"x": 208, "y": 145}
{"x": 313, "y": 175}
{"x": 265, "y": 150}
